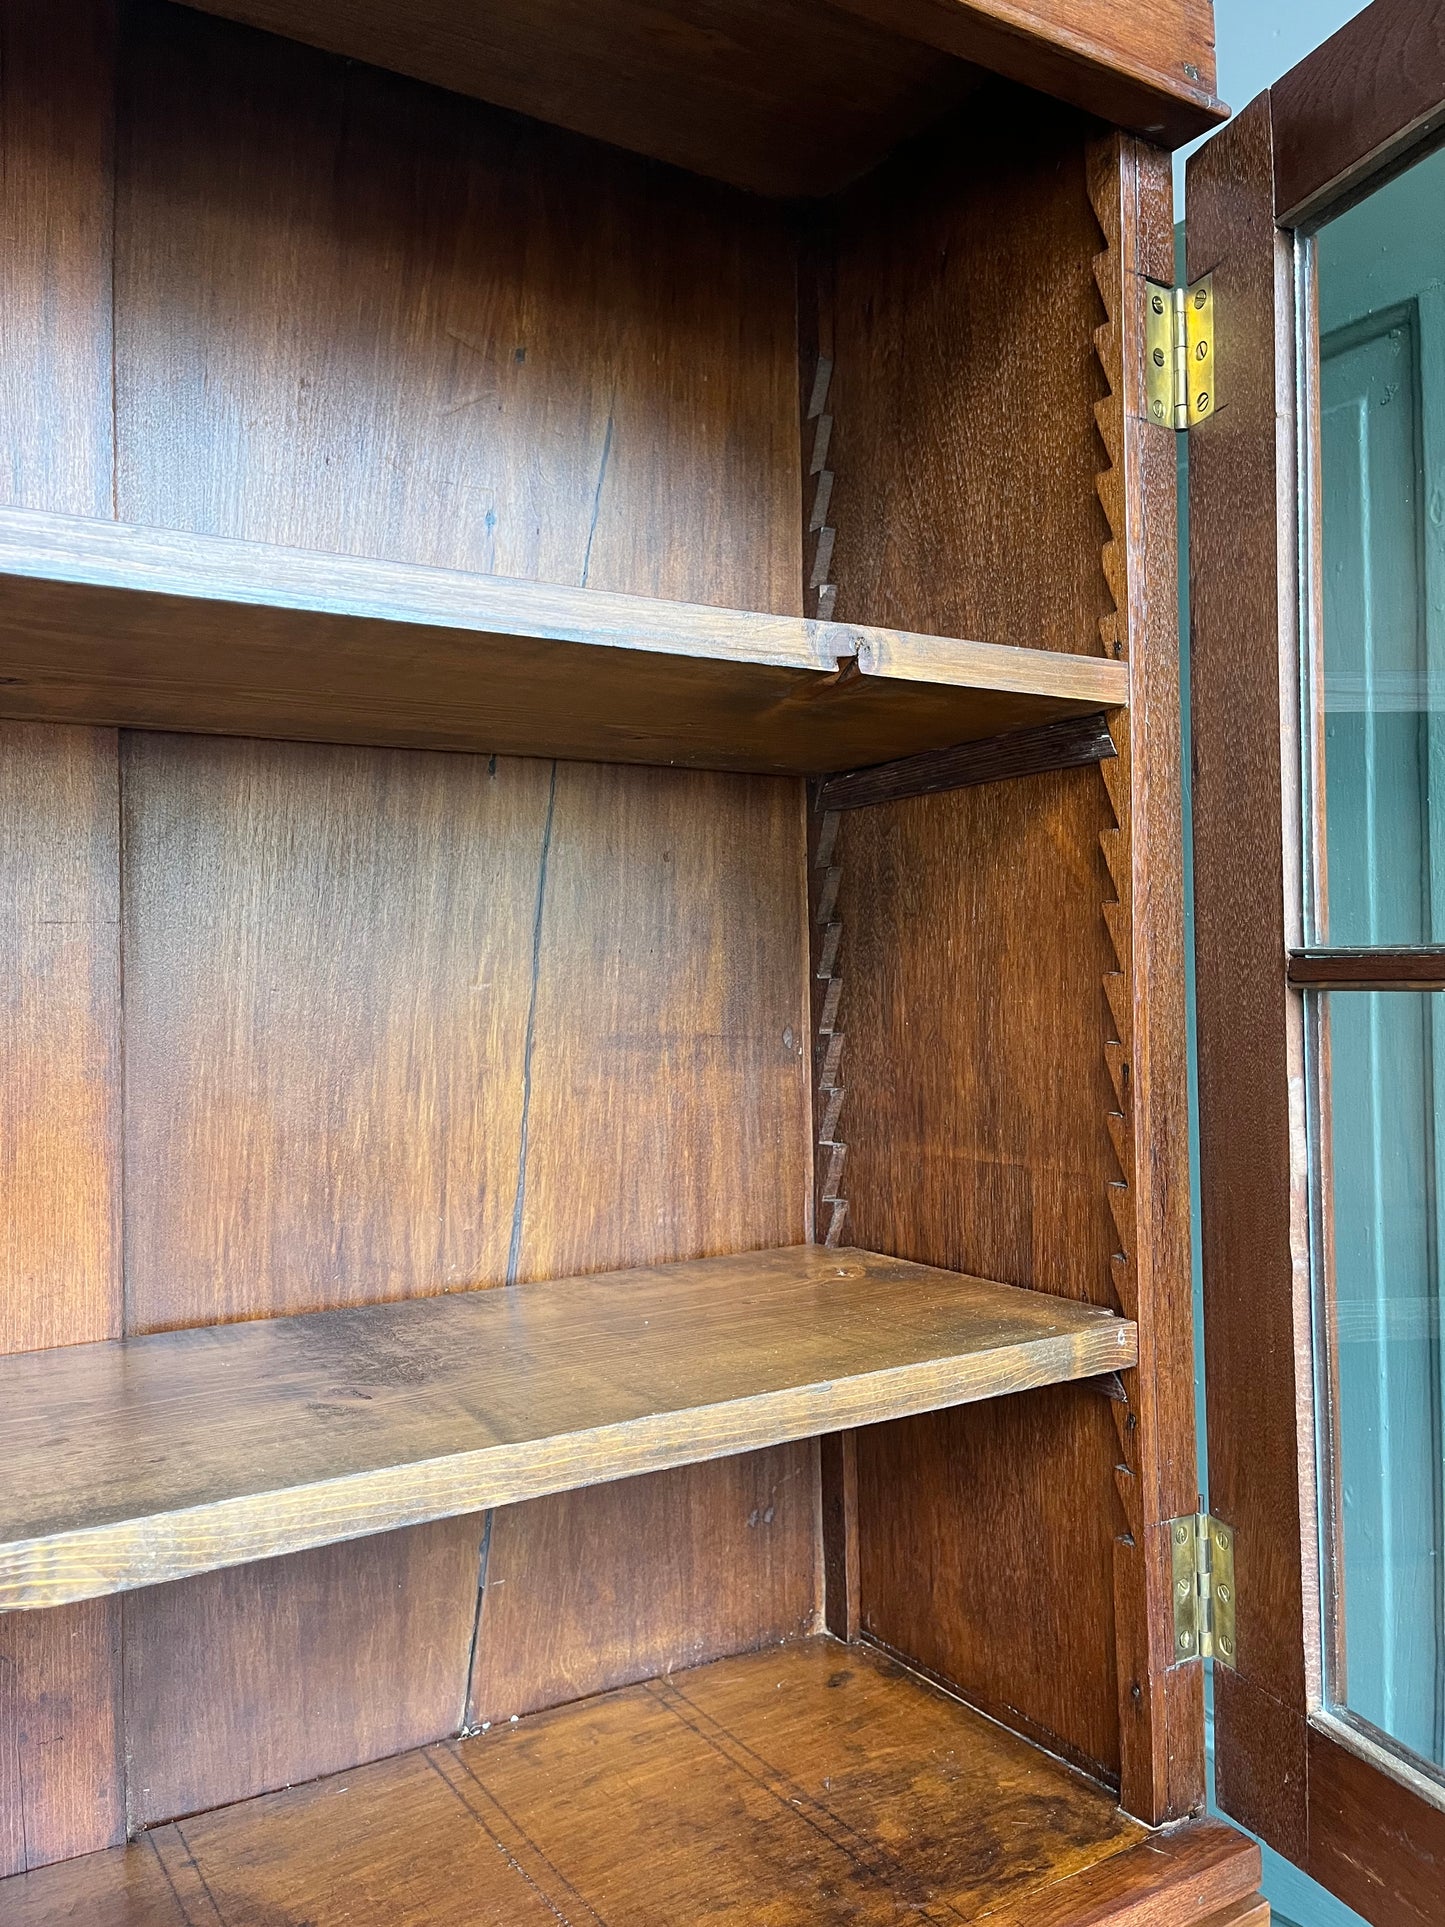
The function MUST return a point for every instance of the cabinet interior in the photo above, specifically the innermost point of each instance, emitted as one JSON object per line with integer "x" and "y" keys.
{"x": 321, "y": 996}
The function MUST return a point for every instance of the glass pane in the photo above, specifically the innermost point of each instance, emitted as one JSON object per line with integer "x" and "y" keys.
{"x": 1377, "y": 713}
{"x": 1381, "y": 1062}
{"x": 1381, "y": 276}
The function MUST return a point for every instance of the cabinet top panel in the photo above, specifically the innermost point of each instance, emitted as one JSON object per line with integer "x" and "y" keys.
{"x": 785, "y": 97}
{"x": 146, "y": 1459}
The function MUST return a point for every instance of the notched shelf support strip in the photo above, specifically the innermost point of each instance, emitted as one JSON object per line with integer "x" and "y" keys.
{"x": 1068, "y": 744}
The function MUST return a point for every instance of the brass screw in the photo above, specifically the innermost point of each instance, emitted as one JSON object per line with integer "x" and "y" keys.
{"x": 1201, "y": 353}
{"x": 1201, "y": 297}
{"x": 1203, "y": 401}
{"x": 1158, "y": 411}
{"x": 1158, "y": 357}
{"x": 1221, "y": 1539}
{"x": 1157, "y": 304}
{"x": 1183, "y": 1589}
{"x": 1186, "y": 1642}
{"x": 1226, "y": 1646}
{"x": 1224, "y": 1595}
{"x": 1181, "y": 1535}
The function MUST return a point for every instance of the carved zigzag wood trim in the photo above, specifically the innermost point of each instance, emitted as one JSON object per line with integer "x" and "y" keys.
{"x": 1116, "y": 844}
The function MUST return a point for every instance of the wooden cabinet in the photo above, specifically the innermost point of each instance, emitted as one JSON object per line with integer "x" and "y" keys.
{"x": 595, "y": 1273}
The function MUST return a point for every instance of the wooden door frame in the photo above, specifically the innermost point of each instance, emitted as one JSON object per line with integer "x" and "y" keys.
{"x": 1323, "y": 1792}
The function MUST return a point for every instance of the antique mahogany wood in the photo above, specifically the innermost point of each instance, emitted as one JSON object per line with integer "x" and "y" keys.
{"x": 140, "y": 627}
{"x": 787, "y": 97}
{"x": 1419, "y": 967}
{"x": 1244, "y": 664}
{"x": 210, "y": 1446}
{"x": 783, "y": 97}
{"x": 992, "y": 759}
{"x": 350, "y": 315}
{"x": 392, "y": 465}
{"x": 1145, "y": 64}
{"x": 936, "y": 1168}
{"x": 1360, "y": 103}
{"x": 756, "y": 1790}
{"x": 1322, "y": 1793}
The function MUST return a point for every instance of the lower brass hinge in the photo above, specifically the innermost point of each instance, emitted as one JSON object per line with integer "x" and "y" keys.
{"x": 1204, "y": 1599}
{"x": 1179, "y": 380}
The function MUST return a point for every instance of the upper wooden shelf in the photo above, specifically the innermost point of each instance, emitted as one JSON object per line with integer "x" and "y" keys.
{"x": 131, "y": 1462}
{"x": 148, "y": 629}
{"x": 785, "y": 97}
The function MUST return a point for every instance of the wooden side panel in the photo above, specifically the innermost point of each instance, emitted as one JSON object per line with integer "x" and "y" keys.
{"x": 357, "y": 315}
{"x": 990, "y": 1146}
{"x": 61, "y": 1789}
{"x": 964, "y": 497}
{"x": 1012, "y": 1005}
{"x": 973, "y": 1004}
{"x": 666, "y": 1118}
{"x": 56, "y": 130}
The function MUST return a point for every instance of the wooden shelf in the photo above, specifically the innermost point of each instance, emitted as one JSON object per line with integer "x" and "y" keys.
{"x": 104, "y": 623}
{"x": 815, "y": 1784}
{"x": 148, "y": 1459}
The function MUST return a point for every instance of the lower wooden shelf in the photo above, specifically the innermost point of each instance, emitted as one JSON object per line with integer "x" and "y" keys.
{"x": 149, "y": 1459}
{"x": 815, "y": 1783}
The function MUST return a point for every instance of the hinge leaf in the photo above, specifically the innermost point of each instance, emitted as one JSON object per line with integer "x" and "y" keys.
{"x": 1179, "y": 385}
{"x": 1202, "y": 1550}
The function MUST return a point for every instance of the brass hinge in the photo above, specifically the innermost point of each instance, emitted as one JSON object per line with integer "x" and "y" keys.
{"x": 1179, "y": 353}
{"x": 1204, "y": 1599}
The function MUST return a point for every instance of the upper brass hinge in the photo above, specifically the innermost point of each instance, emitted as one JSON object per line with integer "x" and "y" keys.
{"x": 1179, "y": 353}
{"x": 1204, "y": 1599}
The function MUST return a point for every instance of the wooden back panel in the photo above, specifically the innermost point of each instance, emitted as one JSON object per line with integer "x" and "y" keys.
{"x": 392, "y": 1023}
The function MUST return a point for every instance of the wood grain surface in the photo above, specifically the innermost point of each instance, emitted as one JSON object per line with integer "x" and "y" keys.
{"x": 362, "y": 316}
{"x": 104, "y": 623}
{"x": 1145, "y": 64}
{"x": 207, "y": 1447}
{"x": 976, "y": 951}
{"x": 303, "y": 1666}
{"x": 61, "y": 1787}
{"x": 780, "y": 96}
{"x": 1357, "y": 104}
{"x": 1415, "y": 968}
{"x": 818, "y": 1784}
{"x": 56, "y": 195}
{"x": 941, "y": 247}
{"x": 1251, "y": 1044}
{"x": 994, "y": 759}
{"x": 1144, "y": 1034}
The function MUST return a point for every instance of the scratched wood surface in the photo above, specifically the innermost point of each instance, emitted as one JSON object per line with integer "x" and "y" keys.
{"x": 820, "y": 1784}
{"x": 213, "y": 1445}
